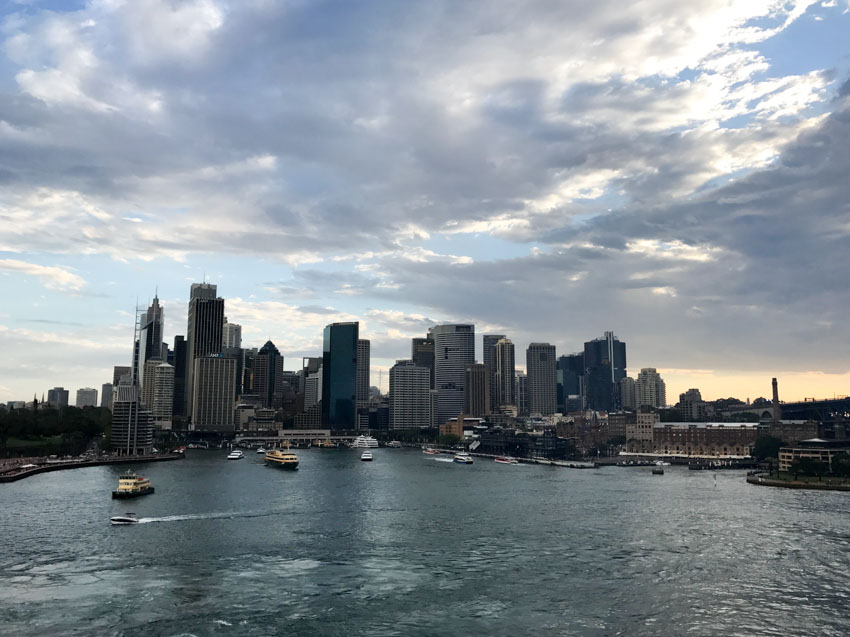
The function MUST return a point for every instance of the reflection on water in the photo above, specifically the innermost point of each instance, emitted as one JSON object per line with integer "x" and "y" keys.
{"x": 411, "y": 545}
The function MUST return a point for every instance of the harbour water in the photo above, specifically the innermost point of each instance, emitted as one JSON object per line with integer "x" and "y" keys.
{"x": 411, "y": 545}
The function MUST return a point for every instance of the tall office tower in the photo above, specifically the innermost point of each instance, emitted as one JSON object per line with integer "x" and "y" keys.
{"x": 162, "y": 407}
{"x": 239, "y": 355}
{"x": 180, "y": 374}
{"x": 132, "y": 425}
{"x": 268, "y": 374}
{"x": 542, "y": 383}
{"x": 313, "y": 388}
{"x": 454, "y": 349}
{"x": 505, "y": 374}
{"x": 650, "y": 389}
{"x": 476, "y": 393}
{"x": 231, "y": 334}
{"x": 150, "y": 338}
{"x": 488, "y": 356}
{"x": 339, "y": 375}
{"x": 604, "y": 367}
{"x": 214, "y": 402}
{"x": 146, "y": 390}
{"x": 86, "y": 397}
{"x": 363, "y": 356}
{"x": 410, "y": 396}
{"x": 571, "y": 367}
{"x": 628, "y": 396}
{"x": 521, "y": 394}
{"x": 422, "y": 354}
{"x": 206, "y": 318}
{"x": 57, "y": 397}
{"x": 106, "y": 395}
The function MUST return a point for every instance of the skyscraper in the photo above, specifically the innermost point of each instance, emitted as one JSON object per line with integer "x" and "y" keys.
{"x": 106, "y": 395}
{"x": 363, "y": 356}
{"x": 132, "y": 425}
{"x": 605, "y": 366}
{"x": 206, "y": 321}
{"x": 571, "y": 367}
{"x": 162, "y": 406}
{"x": 628, "y": 398}
{"x": 268, "y": 374}
{"x": 521, "y": 394}
{"x": 213, "y": 397}
{"x": 454, "y": 349}
{"x": 119, "y": 372}
{"x": 150, "y": 338}
{"x": 57, "y": 397}
{"x": 505, "y": 374}
{"x": 542, "y": 384}
{"x": 231, "y": 334}
{"x": 86, "y": 397}
{"x": 488, "y": 356}
{"x": 180, "y": 373}
{"x": 410, "y": 396}
{"x": 422, "y": 354}
{"x": 339, "y": 375}
{"x": 476, "y": 395}
{"x": 650, "y": 389}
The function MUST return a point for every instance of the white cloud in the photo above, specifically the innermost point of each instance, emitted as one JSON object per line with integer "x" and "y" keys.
{"x": 52, "y": 277}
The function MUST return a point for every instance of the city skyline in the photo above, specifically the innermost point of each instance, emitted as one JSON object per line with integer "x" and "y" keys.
{"x": 671, "y": 172}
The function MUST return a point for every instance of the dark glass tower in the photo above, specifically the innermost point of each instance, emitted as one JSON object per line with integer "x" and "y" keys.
{"x": 206, "y": 321}
{"x": 268, "y": 374}
{"x": 422, "y": 354}
{"x": 179, "y": 376}
{"x": 339, "y": 375}
{"x": 604, "y": 367}
{"x": 488, "y": 356}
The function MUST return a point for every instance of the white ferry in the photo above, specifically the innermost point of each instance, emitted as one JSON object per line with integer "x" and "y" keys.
{"x": 462, "y": 457}
{"x": 236, "y": 454}
{"x": 364, "y": 442}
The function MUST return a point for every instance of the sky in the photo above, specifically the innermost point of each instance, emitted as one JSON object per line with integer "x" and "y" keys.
{"x": 671, "y": 171}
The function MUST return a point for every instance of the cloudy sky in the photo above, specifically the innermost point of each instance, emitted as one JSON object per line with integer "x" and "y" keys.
{"x": 677, "y": 172}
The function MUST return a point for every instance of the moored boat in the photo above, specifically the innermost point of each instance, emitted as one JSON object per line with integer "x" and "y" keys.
{"x": 506, "y": 460}
{"x": 395, "y": 444}
{"x": 364, "y": 442}
{"x": 282, "y": 459}
{"x": 429, "y": 451}
{"x": 130, "y": 486}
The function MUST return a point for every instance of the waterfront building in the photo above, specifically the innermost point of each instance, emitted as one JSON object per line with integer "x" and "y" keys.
{"x": 231, "y": 335}
{"x": 213, "y": 396}
{"x": 822, "y": 451}
{"x": 268, "y": 375}
{"x": 150, "y": 338}
{"x": 618, "y": 421}
{"x": 410, "y": 396}
{"x": 57, "y": 397}
{"x": 86, "y": 397}
{"x": 180, "y": 373}
{"x": 542, "y": 383}
{"x": 476, "y": 391}
{"x": 793, "y": 431}
{"x": 715, "y": 439}
{"x": 132, "y": 424}
{"x": 162, "y": 403}
{"x": 339, "y": 375}
{"x": 454, "y": 349}
{"x": 106, "y": 395}
{"x": 205, "y": 324}
{"x": 650, "y": 390}
{"x": 488, "y": 356}
{"x": 628, "y": 393}
{"x": 521, "y": 394}
{"x": 604, "y": 367}
{"x": 639, "y": 433}
{"x": 505, "y": 373}
{"x": 422, "y": 354}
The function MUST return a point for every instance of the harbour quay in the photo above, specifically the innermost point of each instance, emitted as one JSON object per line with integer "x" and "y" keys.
{"x": 45, "y": 465}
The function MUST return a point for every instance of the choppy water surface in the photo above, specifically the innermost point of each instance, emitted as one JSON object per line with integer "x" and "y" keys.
{"x": 410, "y": 545}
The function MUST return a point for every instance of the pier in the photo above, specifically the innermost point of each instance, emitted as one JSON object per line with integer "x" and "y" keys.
{"x": 26, "y": 470}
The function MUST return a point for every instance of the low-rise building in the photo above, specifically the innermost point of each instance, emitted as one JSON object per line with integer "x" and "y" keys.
{"x": 822, "y": 451}
{"x": 711, "y": 439}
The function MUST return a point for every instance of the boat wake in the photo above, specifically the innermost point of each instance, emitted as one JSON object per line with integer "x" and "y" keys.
{"x": 443, "y": 460}
{"x": 213, "y": 516}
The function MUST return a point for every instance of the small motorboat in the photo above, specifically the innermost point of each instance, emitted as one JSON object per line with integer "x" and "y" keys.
{"x": 429, "y": 451}
{"x": 506, "y": 460}
{"x": 462, "y": 458}
{"x": 661, "y": 463}
{"x": 261, "y": 450}
{"x": 657, "y": 471}
{"x": 366, "y": 456}
{"x": 130, "y": 518}
{"x": 236, "y": 454}
{"x": 395, "y": 444}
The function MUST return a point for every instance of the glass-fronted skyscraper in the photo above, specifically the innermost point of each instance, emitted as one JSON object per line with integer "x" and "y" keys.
{"x": 339, "y": 375}
{"x": 605, "y": 367}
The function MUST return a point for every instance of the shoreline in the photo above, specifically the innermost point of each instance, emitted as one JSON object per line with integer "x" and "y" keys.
{"x": 60, "y": 466}
{"x": 790, "y": 484}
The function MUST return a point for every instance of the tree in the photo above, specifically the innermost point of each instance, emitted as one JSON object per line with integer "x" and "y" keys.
{"x": 767, "y": 447}
{"x": 448, "y": 440}
{"x": 841, "y": 464}
{"x": 808, "y": 467}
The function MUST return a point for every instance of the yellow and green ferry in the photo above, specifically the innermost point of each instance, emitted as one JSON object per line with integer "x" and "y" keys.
{"x": 282, "y": 459}
{"x": 130, "y": 486}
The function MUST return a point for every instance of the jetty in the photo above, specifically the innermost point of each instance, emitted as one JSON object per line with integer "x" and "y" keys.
{"x": 19, "y": 472}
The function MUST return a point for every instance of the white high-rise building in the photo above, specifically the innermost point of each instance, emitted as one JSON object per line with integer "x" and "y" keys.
{"x": 213, "y": 396}
{"x": 86, "y": 397}
{"x": 231, "y": 334}
{"x": 163, "y": 395}
{"x": 542, "y": 379}
{"x": 650, "y": 389}
{"x": 454, "y": 349}
{"x": 410, "y": 396}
